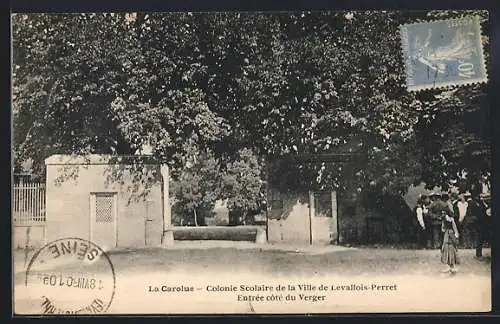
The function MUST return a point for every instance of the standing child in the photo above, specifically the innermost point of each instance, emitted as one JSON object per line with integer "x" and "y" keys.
{"x": 449, "y": 250}
{"x": 421, "y": 212}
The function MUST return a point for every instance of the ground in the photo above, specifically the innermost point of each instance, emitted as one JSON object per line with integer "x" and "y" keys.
{"x": 417, "y": 272}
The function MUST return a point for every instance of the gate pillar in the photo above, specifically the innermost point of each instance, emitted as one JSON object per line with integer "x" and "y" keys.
{"x": 168, "y": 234}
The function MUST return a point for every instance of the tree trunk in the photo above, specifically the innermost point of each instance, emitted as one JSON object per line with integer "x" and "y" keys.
{"x": 244, "y": 217}
{"x": 195, "y": 217}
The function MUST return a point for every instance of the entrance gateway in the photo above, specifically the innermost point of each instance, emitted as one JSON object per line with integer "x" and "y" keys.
{"x": 305, "y": 215}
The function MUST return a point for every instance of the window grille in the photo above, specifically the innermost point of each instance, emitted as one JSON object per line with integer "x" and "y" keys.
{"x": 104, "y": 208}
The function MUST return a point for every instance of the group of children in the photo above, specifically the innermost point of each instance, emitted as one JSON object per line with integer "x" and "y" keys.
{"x": 440, "y": 221}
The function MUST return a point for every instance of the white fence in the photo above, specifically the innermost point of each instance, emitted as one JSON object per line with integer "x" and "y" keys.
{"x": 28, "y": 204}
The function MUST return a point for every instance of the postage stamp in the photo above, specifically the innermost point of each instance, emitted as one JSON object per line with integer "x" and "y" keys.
{"x": 71, "y": 276}
{"x": 443, "y": 53}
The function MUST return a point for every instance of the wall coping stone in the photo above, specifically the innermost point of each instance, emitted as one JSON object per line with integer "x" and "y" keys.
{"x": 102, "y": 159}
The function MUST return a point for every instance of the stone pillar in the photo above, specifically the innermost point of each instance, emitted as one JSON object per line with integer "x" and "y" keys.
{"x": 312, "y": 211}
{"x": 168, "y": 234}
{"x": 261, "y": 236}
{"x": 335, "y": 221}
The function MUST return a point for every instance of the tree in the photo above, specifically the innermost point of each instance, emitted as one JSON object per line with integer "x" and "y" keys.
{"x": 97, "y": 91}
{"x": 365, "y": 96}
{"x": 63, "y": 82}
{"x": 197, "y": 187}
{"x": 454, "y": 130}
{"x": 285, "y": 84}
{"x": 242, "y": 184}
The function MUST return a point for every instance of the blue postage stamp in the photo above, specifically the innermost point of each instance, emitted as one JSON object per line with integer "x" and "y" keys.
{"x": 443, "y": 53}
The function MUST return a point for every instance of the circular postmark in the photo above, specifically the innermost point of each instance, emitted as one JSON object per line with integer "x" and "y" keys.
{"x": 71, "y": 276}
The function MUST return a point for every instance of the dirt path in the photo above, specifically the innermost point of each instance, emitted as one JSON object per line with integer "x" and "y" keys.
{"x": 419, "y": 285}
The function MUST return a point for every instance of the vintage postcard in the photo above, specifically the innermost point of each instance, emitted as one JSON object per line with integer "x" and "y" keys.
{"x": 251, "y": 163}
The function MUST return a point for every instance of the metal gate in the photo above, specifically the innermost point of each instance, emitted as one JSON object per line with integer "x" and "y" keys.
{"x": 28, "y": 204}
{"x": 28, "y": 214}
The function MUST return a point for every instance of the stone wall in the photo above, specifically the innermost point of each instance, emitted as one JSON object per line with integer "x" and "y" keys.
{"x": 28, "y": 236}
{"x": 293, "y": 219}
{"x": 70, "y": 182}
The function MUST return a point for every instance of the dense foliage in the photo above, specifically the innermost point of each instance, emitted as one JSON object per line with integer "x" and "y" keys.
{"x": 235, "y": 88}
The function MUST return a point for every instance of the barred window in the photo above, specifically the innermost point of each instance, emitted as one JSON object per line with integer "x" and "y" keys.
{"x": 104, "y": 208}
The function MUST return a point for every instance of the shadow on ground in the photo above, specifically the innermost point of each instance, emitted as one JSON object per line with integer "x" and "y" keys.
{"x": 342, "y": 262}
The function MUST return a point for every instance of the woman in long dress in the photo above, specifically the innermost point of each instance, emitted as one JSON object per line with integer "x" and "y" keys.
{"x": 449, "y": 250}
